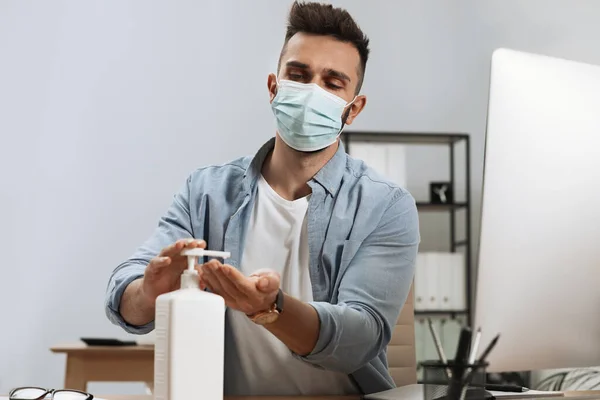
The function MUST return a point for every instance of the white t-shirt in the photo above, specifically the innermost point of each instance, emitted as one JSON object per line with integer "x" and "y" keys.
{"x": 277, "y": 239}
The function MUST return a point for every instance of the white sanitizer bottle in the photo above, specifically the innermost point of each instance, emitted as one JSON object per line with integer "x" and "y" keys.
{"x": 190, "y": 336}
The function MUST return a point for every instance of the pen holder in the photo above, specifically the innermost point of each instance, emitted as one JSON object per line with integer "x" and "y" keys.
{"x": 453, "y": 381}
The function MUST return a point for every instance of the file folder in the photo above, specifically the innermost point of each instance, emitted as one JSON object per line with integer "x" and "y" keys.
{"x": 440, "y": 281}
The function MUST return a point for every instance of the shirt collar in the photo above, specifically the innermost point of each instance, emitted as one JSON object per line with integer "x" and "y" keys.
{"x": 330, "y": 176}
{"x": 254, "y": 169}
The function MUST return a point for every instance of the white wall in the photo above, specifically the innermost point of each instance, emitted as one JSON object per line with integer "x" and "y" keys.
{"x": 105, "y": 107}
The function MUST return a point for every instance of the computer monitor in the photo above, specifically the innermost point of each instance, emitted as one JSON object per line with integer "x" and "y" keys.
{"x": 538, "y": 280}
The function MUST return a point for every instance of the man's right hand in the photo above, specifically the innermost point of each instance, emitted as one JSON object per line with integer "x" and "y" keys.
{"x": 163, "y": 273}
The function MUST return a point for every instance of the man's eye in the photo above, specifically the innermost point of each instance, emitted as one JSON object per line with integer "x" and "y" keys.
{"x": 333, "y": 86}
{"x": 295, "y": 76}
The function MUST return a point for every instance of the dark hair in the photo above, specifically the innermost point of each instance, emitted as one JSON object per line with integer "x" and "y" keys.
{"x": 324, "y": 19}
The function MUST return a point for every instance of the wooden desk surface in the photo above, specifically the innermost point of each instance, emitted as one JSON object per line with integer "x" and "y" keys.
{"x": 82, "y": 348}
{"x": 144, "y": 397}
{"x": 144, "y": 350}
{"x": 590, "y": 395}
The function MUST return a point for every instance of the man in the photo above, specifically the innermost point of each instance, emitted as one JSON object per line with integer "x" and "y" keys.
{"x": 323, "y": 248}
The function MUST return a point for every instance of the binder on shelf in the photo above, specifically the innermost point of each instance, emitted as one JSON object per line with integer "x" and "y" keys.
{"x": 420, "y": 282}
{"x": 432, "y": 274}
{"x": 458, "y": 301}
{"x": 452, "y": 281}
{"x": 440, "y": 282}
{"x": 445, "y": 280}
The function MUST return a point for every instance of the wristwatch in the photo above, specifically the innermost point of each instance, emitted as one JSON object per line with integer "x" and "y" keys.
{"x": 271, "y": 314}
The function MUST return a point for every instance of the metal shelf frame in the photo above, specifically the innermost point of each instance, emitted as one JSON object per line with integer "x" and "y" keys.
{"x": 449, "y": 140}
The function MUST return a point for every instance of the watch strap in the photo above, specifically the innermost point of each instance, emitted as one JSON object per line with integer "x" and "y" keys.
{"x": 279, "y": 301}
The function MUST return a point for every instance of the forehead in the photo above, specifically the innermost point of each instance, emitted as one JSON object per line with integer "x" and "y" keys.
{"x": 323, "y": 52}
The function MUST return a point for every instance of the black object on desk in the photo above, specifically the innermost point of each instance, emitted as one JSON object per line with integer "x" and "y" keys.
{"x": 456, "y": 384}
{"x": 464, "y": 345}
{"x": 462, "y": 378}
{"x": 107, "y": 342}
{"x": 498, "y": 387}
{"x": 436, "y": 386}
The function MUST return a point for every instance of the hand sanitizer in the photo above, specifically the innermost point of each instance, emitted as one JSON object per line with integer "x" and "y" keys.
{"x": 190, "y": 336}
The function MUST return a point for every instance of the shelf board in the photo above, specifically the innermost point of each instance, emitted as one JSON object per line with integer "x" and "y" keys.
{"x": 425, "y": 206}
{"x": 405, "y": 137}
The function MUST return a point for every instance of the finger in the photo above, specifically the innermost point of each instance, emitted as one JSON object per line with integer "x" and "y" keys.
{"x": 159, "y": 262}
{"x": 210, "y": 278}
{"x": 242, "y": 283}
{"x": 264, "y": 272}
{"x": 179, "y": 245}
{"x": 201, "y": 282}
{"x": 173, "y": 248}
{"x": 268, "y": 283}
{"x": 194, "y": 243}
{"x": 226, "y": 283}
{"x": 268, "y": 280}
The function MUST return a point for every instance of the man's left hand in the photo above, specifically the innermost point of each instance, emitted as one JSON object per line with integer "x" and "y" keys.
{"x": 248, "y": 294}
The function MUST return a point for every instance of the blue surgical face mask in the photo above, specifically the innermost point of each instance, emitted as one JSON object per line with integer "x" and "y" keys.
{"x": 308, "y": 117}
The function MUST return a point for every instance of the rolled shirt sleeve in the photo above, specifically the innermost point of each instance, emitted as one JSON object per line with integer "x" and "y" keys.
{"x": 174, "y": 225}
{"x": 372, "y": 292}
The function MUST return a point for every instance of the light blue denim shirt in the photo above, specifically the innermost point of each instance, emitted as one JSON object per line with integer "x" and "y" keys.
{"x": 363, "y": 235}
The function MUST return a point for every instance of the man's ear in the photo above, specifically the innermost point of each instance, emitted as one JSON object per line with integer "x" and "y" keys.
{"x": 272, "y": 86}
{"x": 356, "y": 108}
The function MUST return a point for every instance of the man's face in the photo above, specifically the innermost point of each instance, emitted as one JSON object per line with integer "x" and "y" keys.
{"x": 326, "y": 61}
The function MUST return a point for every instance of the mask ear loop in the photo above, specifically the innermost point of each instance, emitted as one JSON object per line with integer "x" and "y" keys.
{"x": 353, "y": 100}
{"x": 344, "y": 124}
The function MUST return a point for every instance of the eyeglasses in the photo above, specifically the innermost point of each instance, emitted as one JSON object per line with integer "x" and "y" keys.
{"x": 36, "y": 393}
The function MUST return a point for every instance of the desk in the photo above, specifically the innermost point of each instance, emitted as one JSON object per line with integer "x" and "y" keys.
{"x": 589, "y": 395}
{"x": 136, "y": 364}
{"x": 107, "y": 364}
{"x": 143, "y": 397}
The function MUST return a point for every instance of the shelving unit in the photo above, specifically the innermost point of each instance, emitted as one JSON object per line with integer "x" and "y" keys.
{"x": 450, "y": 141}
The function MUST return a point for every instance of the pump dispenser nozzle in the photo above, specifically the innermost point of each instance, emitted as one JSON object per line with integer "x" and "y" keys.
{"x": 208, "y": 253}
{"x": 189, "y": 278}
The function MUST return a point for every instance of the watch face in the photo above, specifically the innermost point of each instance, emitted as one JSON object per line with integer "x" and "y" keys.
{"x": 266, "y": 318}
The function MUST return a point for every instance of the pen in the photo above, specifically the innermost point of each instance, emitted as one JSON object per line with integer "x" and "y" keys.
{"x": 464, "y": 343}
{"x": 456, "y": 388}
{"x": 438, "y": 347}
{"x": 475, "y": 347}
{"x": 471, "y": 368}
{"x": 488, "y": 350}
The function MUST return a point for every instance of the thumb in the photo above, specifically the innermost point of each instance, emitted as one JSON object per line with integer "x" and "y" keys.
{"x": 268, "y": 283}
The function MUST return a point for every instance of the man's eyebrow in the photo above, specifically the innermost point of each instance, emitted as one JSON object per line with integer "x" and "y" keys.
{"x": 297, "y": 64}
{"x": 338, "y": 74}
